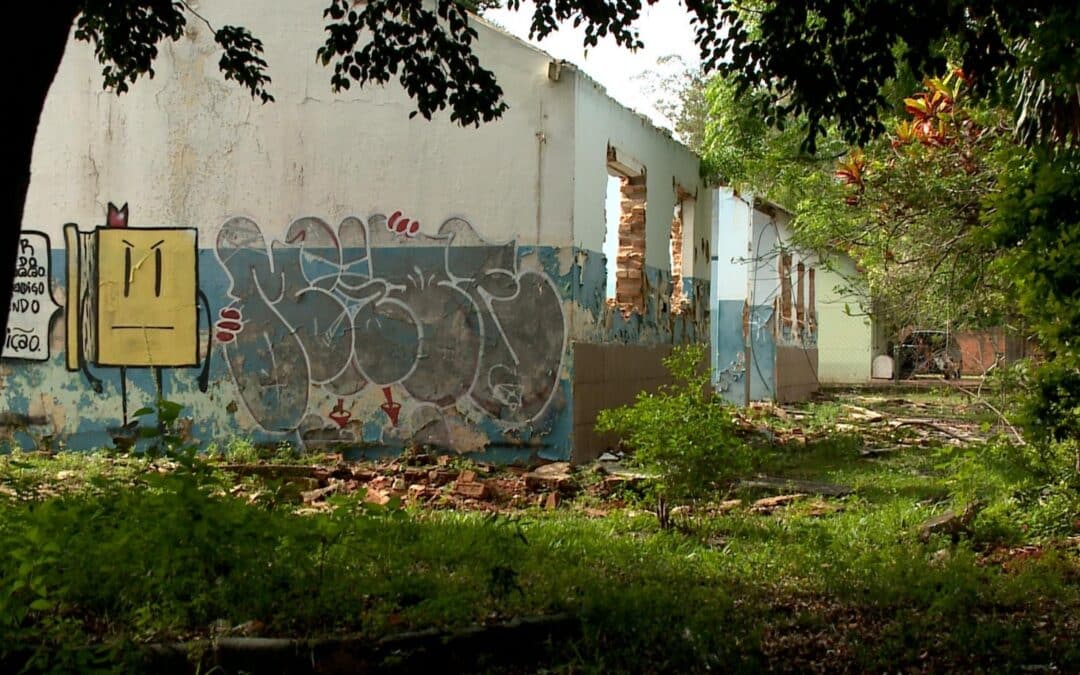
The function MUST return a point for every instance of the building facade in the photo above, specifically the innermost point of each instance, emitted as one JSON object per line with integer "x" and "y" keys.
{"x": 325, "y": 271}
{"x": 765, "y": 329}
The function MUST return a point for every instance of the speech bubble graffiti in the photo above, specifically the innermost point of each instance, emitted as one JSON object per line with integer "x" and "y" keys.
{"x": 32, "y": 304}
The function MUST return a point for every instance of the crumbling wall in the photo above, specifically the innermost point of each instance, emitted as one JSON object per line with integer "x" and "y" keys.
{"x": 321, "y": 271}
{"x": 770, "y": 285}
{"x": 299, "y": 276}
{"x": 659, "y": 302}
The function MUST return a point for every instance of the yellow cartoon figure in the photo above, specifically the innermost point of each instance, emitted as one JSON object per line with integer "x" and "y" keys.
{"x": 132, "y": 299}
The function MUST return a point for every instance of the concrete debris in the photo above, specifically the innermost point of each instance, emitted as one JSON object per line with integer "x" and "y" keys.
{"x": 440, "y": 477}
{"x": 376, "y": 496}
{"x": 319, "y": 493}
{"x": 553, "y": 469}
{"x": 556, "y": 476}
{"x": 681, "y": 511}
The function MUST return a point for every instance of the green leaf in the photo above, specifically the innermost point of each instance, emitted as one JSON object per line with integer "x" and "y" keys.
{"x": 168, "y": 411}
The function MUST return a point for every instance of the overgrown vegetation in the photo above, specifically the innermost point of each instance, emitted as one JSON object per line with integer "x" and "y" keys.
{"x": 683, "y": 432}
{"x": 960, "y": 214}
{"x": 105, "y": 554}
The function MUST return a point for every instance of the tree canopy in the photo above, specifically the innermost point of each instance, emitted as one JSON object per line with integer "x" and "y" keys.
{"x": 1019, "y": 52}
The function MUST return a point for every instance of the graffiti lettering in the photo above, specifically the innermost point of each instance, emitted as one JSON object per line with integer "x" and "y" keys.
{"x": 449, "y": 318}
{"x": 32, "y": 304}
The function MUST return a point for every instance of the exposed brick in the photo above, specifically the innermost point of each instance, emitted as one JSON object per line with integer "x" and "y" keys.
{"x": 630, "y": 260}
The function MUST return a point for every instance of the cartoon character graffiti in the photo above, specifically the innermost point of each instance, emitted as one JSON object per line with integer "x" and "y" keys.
{"x": 449, "y": 318}
{"x": 132, "y": 300}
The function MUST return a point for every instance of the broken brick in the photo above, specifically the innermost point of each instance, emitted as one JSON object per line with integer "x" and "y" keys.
{"x": 376, "y": 496}
{"x": 440, "y": 477}
{"x": 474, "y": 490}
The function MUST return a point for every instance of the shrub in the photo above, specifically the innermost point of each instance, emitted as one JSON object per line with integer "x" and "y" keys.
{"x": 683, "y": 432}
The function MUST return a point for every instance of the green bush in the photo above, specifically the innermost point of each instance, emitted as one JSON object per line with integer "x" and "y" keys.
{"x": 682, "y": 432}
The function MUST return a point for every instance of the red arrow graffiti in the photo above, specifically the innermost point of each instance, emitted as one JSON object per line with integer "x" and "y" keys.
{"x": 391, "y": 408}
{"x": 339, "y": 414}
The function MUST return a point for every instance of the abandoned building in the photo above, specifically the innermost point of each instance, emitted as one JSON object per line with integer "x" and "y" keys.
{"x": 765, "y": 327}
{"x": 323, "y": 270}
{"x": 849, "y": 338}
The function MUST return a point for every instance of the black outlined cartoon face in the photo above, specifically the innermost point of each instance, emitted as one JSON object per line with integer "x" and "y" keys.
{"x": 146, "y": 297}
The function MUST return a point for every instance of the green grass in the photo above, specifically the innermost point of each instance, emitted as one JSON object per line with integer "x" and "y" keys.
{"x": 117, "y": 553}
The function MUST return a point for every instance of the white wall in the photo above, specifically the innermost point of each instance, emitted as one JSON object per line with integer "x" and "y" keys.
{"x": 845, "y": 342}
{"x": 731, "y": 242}
{"x": 601, "y": 121}
{"x": 188, "y": 148}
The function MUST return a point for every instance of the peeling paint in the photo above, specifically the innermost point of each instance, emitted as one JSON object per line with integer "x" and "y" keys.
{"x": 328, "y": 325}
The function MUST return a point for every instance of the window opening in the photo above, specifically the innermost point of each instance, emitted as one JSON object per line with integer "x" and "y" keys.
{"x": 800, "y": 299}
{"x": 624, "y": 237}
{"x": 785, "y": 289}
{"x": 682, "y": 239}
{"x": 612, "y": 213}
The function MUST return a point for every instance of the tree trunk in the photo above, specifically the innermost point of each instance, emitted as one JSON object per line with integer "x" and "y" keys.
{"x": 39, "y": 41}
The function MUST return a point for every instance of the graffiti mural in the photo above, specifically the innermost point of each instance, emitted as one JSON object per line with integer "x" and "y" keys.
{"x": 443, "y": 322}
{"x": 132, "y": 301}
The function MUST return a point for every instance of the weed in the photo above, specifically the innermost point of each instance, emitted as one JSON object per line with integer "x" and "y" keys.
{"x": 682, "y": 432}
{"x": 241, "y": 450}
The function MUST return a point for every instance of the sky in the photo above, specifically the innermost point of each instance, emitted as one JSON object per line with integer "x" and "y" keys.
{"x": 664, "y": 28}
